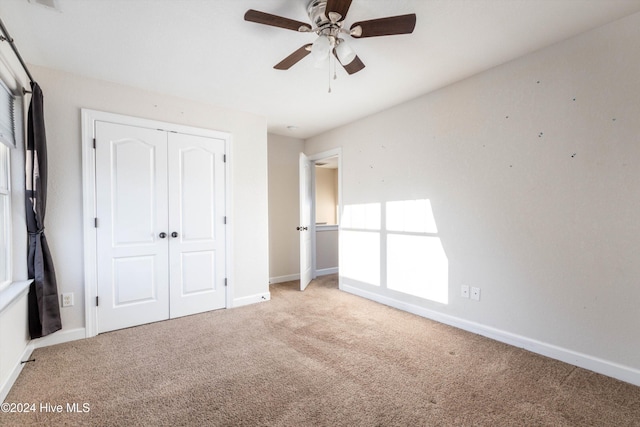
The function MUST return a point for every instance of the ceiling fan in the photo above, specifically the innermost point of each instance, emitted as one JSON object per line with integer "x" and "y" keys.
{"x": 327, "y": 20}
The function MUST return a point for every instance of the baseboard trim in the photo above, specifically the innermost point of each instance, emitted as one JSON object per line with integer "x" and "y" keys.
{"x": 282, "y": 279}
{"x": 8, "y": 383}
{"x": 251, "y": 299}
{"x": 60, "y": 337}
{"x": 53, "y": 339}
{"x": 291, "y": 277}
{"x": 326, "y": 271}
{"x": 595, "y": 364}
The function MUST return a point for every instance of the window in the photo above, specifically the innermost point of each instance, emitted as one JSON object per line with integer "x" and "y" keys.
{"x": 7, "y": 141}
{"x": 5, "y": 218}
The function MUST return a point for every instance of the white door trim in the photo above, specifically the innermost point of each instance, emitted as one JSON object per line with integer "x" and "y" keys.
{"x": 335, "y": 152}
{"x": 89, "y": 117}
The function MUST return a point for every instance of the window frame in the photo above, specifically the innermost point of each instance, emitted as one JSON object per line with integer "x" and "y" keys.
{"x": 6, "y": 248}
{"x": 8, "y": 142}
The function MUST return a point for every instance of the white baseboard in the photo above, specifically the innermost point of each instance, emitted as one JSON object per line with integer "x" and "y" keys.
{"x": 60, "y": 337}
{"x": 326, "y": 271}
{"x": 291, "y": 277}
{"x": 282, "y": 279}
{"x": 595, "y": 364}
{"x": 55, "y": 338}
{"x": 8, "y": 383}
{"x": 251, "y": 299}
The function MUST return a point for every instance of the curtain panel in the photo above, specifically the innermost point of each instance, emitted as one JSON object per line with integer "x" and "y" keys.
{"x": 44, "y": 308}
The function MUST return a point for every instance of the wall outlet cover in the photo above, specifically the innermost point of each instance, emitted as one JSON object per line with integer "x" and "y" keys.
{"x": 67, "y": 299}
{"x": 464, "y": 291}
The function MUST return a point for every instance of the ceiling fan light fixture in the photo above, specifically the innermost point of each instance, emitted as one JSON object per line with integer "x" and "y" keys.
{"x": 345, "y": 53}
{"x": 320, "y": 48}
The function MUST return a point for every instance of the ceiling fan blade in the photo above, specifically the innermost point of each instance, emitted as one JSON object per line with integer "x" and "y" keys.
{"x": 338, "y": 6}
{"x": 402, "y": 24}
{"x": 352, "y": 67}
{"x": 274, "y": 20}
{"x": 355, "y": 66}
{"x": 293, "y": 59}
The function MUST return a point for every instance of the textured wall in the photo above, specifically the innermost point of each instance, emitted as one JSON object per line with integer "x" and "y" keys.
{"x": 531, "y": 169}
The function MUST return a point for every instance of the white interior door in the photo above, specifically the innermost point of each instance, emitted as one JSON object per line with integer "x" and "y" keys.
{"x": 131, "y": 190}
{"x": 305, "y": 227}
{"x": 196, "y": 224}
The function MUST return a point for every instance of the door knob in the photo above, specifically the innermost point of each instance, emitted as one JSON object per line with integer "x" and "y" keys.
{"x": 174, "y": 234}
{"x": 162, "y": 235}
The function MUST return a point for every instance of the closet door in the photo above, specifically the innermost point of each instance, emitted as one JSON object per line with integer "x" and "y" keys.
{"x": 196, "y": 224}
{"x": 132, "y": 225}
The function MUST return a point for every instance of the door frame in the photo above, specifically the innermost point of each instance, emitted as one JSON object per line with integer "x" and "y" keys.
{"x": 88, "y": 119}
{"x": 313, "y": 158}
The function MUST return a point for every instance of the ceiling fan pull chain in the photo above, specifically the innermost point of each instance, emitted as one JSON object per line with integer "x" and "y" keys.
{"x": 329, "y": 74}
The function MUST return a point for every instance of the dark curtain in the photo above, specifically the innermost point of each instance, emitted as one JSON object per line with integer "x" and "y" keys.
{"x": 44, "y": 309}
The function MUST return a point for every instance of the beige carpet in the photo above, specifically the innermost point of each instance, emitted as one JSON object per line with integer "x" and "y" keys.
{"x": 315, "y": 358}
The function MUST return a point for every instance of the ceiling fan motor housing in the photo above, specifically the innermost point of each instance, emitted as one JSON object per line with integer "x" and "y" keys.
{"x": 316, "y": 10}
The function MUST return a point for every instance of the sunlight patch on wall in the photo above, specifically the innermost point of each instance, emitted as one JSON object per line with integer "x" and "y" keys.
{"x": 411, "y": 216}
{"x": 416, "y": 262}
{"x": 417, "y": 265}
{"x": 401, "y": 237}
{"x": 360, "y": 256}
{"x": 363, "y": 217}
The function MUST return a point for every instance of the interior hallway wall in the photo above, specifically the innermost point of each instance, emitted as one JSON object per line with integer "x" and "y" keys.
{"x": 326, "y": 195}
{"x": 284, "y": 207}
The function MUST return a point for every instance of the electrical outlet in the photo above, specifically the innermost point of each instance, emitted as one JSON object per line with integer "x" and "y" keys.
{"x": 475, "y": 293}
{"x": 464, "y": 291}
{"x": 67, "y": 299}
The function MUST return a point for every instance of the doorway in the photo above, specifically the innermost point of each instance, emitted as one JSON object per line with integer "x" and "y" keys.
{"x": 325, "y": 236}
{"x": 326, "y": 216}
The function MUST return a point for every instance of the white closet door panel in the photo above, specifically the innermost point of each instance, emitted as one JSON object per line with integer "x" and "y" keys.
{"x": 133, "y": 280}
{"x": 197, "y": 273}
{"x": 196, "y": 224}
{"x": 197, "y": 194}
{"x": 131, "y": 190}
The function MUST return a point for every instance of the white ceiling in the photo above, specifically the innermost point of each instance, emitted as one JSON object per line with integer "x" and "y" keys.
{"x": 204, "y": 50}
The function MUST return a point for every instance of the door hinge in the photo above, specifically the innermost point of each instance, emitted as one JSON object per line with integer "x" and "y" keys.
{"x": 225, "y": 281}
{"x": 94, "y": 143}
{"x": 95, "y": 222}
{"x": 224, "y": 158}
{"x": 97, "y": 301}
{"x": 225, "y": 219}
